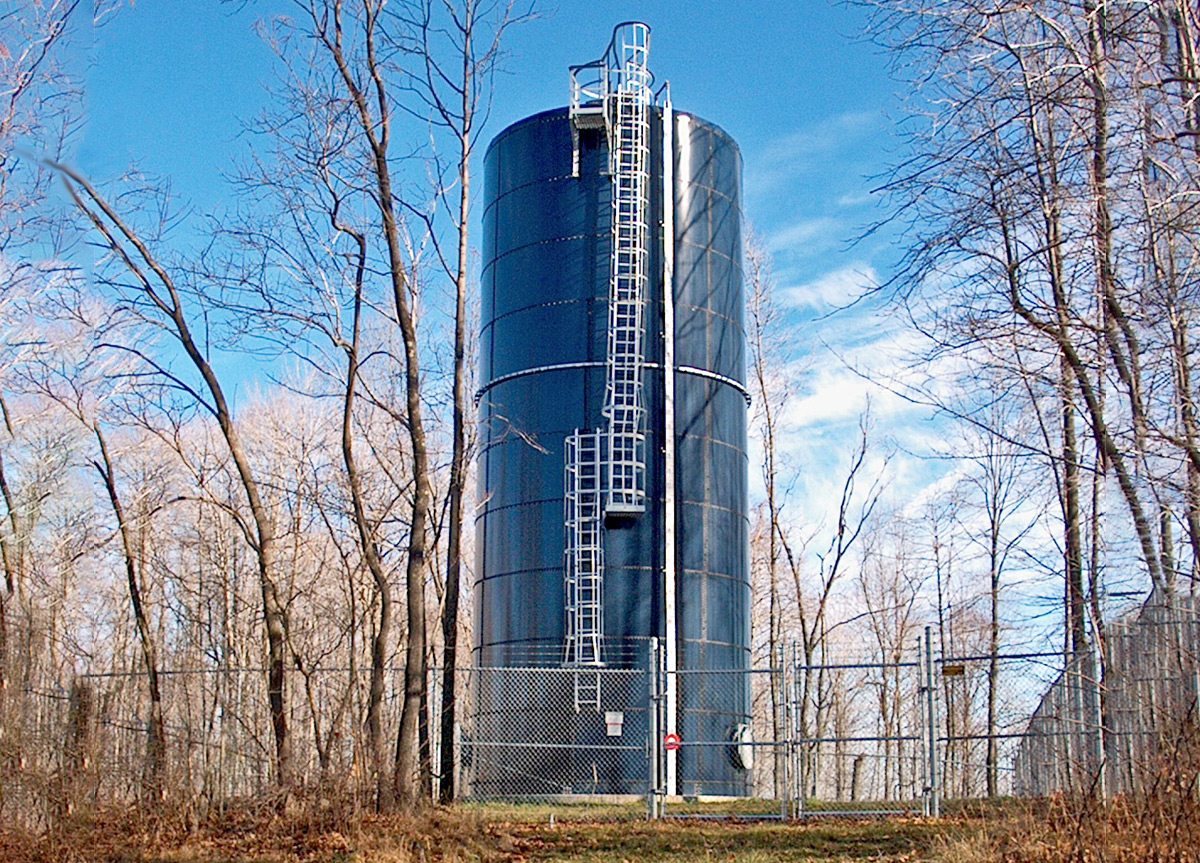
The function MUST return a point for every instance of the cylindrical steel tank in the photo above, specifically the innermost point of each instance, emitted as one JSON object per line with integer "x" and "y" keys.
{"x": 545, "y": 283}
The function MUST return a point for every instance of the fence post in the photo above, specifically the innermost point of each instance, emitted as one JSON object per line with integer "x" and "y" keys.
{"x": 922, "y": 731}
{"x": 78, "y": 745}
{"x": 802, "y": 734}
{"x": 784, "y": 783}
{"x": 931, "y": 725}
{"x": 1098, "y": 667}
{"x": 789, "y": 719}
{"x": 653, "y": 736}
{"x": 923, "y": 726}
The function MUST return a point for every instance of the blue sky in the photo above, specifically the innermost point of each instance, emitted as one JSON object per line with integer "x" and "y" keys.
{"x": 171, "y": 83}
{"x": 808, "y": 100}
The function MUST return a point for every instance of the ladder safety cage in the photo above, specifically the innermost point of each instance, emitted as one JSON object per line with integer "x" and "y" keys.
{"x": 605, "y": 469}
{"x": 593, "y": 83}
{"x": 629, "y": 162}
{"x": 584, "y": 563}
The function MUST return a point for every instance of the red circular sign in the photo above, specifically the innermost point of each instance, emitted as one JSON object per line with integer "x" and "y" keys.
{"x": 671, "y": 741}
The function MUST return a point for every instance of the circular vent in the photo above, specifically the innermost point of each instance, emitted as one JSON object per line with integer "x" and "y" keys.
{"x": 741, "y": 750}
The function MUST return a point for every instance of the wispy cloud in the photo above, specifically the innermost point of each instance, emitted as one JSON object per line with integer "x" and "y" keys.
{"x": 856, "y": 199}
{"x": 842, "y": 382}
{"x": 837, "y": 395}
{"x": 832, "y": 290}
{"x": 819, "y": 232}
{"x": 809, "y": 149}
{"x": 805, "y": 246}
{"x": 797, "y": 149}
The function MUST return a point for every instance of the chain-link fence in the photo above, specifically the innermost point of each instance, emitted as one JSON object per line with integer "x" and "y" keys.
{"x": 902, "y": 735}
{"x": 797, "y": 737}
{"x": 88, "y": 741}
{"x": 529, "y": 737}
{"x": 983, "y": 706}
{"x": 800, "y": 737}
{"x": 716, "y": 747}
{"x": 1115, "y": 715}
{"x": 860, "y": 740}
{"x": 784, "y": 739}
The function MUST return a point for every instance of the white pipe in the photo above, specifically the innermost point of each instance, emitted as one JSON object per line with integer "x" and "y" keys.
{"x": 668, "y": 246}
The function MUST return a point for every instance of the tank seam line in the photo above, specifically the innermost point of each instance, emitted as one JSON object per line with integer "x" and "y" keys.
{"x": 543, "y": 242}
{"x": 586, "y": 364}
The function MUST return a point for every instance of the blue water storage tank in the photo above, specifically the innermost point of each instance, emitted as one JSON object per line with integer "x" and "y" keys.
{"x": 547, "y": 237}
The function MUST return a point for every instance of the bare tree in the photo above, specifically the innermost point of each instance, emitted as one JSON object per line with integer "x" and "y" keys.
{"x": 72, "y": 371}
{"x": 890, "y": 582}
{"x": 39, "y": 101}
{"x": 997, "y": 482}
{"x": 853, "y": 516}
{"x": 460, "y": 44}
{"x": 156, "y": 294}
{"x": 360, "y": 46}
{"x": 1027, "y": 104}
{"x": 772, "y": 387}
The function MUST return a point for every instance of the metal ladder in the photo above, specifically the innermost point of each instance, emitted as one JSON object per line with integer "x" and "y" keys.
{"x": 605, "y": 468}
{"x": 584, "y": 555}
{"x": 629, "y": 156}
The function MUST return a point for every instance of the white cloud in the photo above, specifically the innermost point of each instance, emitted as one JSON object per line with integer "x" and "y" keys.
{"x": 832, "y": 290}
{"x": 807, "y": 154}
{"x": 838, "y": 395}
{"x": 800, "y": 148}
{"x": 856, "y": 199}
{"x": 819, "y": 232}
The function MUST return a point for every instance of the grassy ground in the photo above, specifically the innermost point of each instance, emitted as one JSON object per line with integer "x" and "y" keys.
{"x": 743, "y": 842}
{"x": 491, "y": 834}
{"x": 1052, "y": 831}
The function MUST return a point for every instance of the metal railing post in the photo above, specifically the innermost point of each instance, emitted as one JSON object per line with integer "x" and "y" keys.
{"x": 800, "y": 742}
{"x": 789, "y": 721}
{"x": 653, "y": 736}
{"x": 1101, "y": 748}
{"x": 931, "y": 722}
{"x": 783, "y": 783}
{"x": 923, "y": 724}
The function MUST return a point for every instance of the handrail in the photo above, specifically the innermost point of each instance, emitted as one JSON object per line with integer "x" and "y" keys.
{"x": 610, "y": 67}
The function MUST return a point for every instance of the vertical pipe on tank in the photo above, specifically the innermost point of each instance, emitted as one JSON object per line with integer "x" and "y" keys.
{"x": 682, "y": 147}
{"x": 668, "y": 251}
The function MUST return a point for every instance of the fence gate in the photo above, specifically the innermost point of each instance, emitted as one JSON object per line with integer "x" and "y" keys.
{"x": 529, "y": 738}
{"x": 797, "y": 738}
{"x": 730, "y": 744}
{"x": 860, "y": 739}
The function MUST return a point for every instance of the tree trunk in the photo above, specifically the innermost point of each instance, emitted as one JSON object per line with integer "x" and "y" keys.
{"x": 458, "y": 461}
{"x": 1119, "y": 335}
{"x": 329, "y": 29}
{"x": 1073, "y": 544}
{"x": 156, "y": 745}
{"x": 407, "y": 755}
{"x": 12, "y": 550}
{"x": 384, "y": 797}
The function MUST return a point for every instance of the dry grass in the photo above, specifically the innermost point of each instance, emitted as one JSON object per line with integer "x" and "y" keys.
{"x": 743, "y": 842}
{"x": 1070, "y": 831}
{"x": 261, "y": 835}
{"x": 458, "y": 836}
{"x": 1150, "y": 830}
